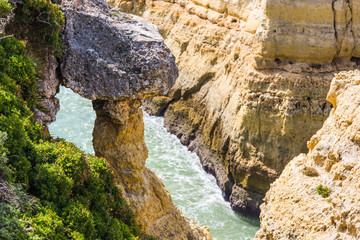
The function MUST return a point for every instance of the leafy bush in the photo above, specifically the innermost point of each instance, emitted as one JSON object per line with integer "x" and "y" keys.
{"x": 51, "y": 184}
{"x": 323, "y": 191}
{"x": 38, "y": 21}
{"x": 18, "y": 72}
{"x": 45, "y": 224}
{"x": 16, "y": 122}
{"x": 10, "y": 225}
{"x": 80, "y": 220}
{"x": 74, "y": 195}
{"x": 5, "y": 8}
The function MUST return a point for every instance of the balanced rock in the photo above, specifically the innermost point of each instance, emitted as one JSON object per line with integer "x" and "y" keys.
{"x": 116, "y": 60}
{"x": 110, "y": 55}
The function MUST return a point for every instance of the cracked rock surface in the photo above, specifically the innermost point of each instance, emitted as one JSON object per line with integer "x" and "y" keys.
{"x": 110, "y": 55}
{"x": 312, "y": 31}
{"x": 253, "y": 79}
{"x": 116, "y": 60}
{"x": 293, "y": 208}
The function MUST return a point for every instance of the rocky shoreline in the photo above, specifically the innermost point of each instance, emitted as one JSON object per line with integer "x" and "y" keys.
{"x": 249, "y": 92}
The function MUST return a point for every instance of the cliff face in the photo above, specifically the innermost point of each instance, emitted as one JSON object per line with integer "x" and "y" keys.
{"x": 309, "y": 31}
{"x": 116, "y": 59}
{"x": 253, "y": 78}
{"x": 48, "y": 87}
{"x": 293, "y": 209}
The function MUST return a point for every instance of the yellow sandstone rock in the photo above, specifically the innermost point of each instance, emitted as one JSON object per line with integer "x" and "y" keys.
{"x": 118, "y": 136}
{"x": 312, "y": 31}
{"x": 293, "y": 209}
{"x": 253, "y": 80}
{"x": 252, "y": 84}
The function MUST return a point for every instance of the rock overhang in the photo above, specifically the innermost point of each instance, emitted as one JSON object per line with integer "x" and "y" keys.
{"x": 109, "y": 55}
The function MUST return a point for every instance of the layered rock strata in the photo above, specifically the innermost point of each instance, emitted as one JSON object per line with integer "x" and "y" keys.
{"x": 293, "y": 208}
{"x": 116, "y": 59}
{"x": 253, "y": 78}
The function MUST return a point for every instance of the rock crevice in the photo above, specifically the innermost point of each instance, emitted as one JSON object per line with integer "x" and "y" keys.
{"x": 339, "y": 35}
{"x": 296, "y": 206}
{"x": 273, "y": 62}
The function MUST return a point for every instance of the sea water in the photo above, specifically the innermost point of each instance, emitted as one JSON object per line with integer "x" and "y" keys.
{"x": 192, "y": 190}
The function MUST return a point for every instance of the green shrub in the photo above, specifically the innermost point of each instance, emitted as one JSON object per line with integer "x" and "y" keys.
{"x": 19, "y": 128}
{"x": 46, "y": 224}
{"x": 18, "y": 72}
{"x": 51, "y": 184}
{"x": 73, "y": 195}
{"x": 95, "y": 201}
{"x": 323, "y": 191}
{"x": 10, "y": 225}
{"x": 5, "y": 171}
{"x": 80, "y": 220}
{"x": 5, "y": 8}
{"x": 40, "y": 22}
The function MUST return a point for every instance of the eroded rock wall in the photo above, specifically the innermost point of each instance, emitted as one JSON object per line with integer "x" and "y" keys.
{"x": 253, "y": 79}
{"x": 313, "y": 31}
{"x": 119, "y": 137}
{"x": 116, "y": 59}
{"x": 48, "y": 87}
{"x": 293, "y": 209}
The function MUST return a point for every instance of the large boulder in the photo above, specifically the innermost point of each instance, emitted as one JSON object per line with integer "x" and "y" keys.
{"x": 110, "y": 55}
{"x": 116, "y": 59}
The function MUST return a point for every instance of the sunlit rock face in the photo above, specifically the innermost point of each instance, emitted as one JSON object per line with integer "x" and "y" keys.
{"x": 119, "y": 137}
{"x": 293, "y": 207}
{"x": 117, "y": 59}
{"x": 253, "y": 79}
{"x": 312, "y": 31}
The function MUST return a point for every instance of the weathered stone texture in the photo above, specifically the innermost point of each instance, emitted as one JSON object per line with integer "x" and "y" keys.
{"x": 116, "y": 60}
{"x": 125, "y": 55}
{"x": 313, "y": 31}
{"x": 293, "y": 209}
{"x": 245, "y": 107}
{"x": 48, "y": 87}
{"x": 156, "y": 105}
{"x": 119, "y": 137}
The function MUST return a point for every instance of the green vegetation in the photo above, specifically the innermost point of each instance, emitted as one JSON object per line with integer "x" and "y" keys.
{"x": 116, "y": 14}
{"x": 18, "y": 72}
{"x": 49, "y": 188}
{"x": 39, "y": 22}
{"x": 323, "y": 191}
{"x": 5, "y": 8}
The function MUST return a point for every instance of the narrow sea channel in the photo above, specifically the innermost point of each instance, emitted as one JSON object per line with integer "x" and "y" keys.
{"x": 194, "y": 191}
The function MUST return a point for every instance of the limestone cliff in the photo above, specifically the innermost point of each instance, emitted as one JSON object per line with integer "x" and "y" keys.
{"x": 253, "y": 78}
{"x": 293, "y": 209}
{"x": 309, "y": 31}
{"x": 116, "y": 59}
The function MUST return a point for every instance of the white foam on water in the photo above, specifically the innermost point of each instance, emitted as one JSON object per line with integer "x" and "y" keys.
{"x": 193, "y": 190}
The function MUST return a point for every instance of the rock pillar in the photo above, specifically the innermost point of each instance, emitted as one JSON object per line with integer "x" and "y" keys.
{"x": 118, "y": 136}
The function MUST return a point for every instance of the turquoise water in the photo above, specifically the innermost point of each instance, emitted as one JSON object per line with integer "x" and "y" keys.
{"x": 194, "y": 191}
